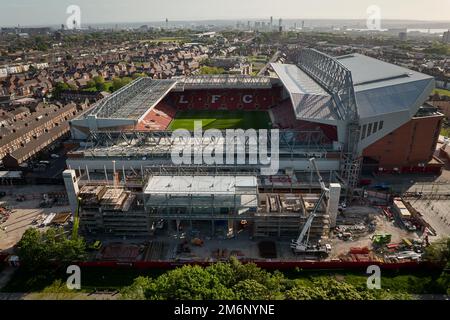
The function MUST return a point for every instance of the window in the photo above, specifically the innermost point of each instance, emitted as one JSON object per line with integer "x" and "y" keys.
{"x": 375, "y": 127}
{"x": 369, "y": 129}
{"x": 380, "y": 125}
{"x": 363, "y": 134}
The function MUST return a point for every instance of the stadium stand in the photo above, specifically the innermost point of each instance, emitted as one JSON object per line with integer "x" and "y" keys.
{"x": 158, "y": 118}
{"x": 230, "y": 99}
{"x": 284, "y": 118}
{"x": 283, "y": 115}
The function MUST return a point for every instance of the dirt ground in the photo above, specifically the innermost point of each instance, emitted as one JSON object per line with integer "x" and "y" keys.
{"x": 383, "y": 225}
{"x": 23, "y": 213}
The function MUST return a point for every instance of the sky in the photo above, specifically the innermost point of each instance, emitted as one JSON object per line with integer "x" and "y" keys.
{"x": 53, "y": 12}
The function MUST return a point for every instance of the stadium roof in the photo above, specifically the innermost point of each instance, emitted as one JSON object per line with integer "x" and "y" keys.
{"x": 369, "y": 72}
{"x": 134, "y": 100}
{"x": 383, "y": 88}
{"x": 380, "y": 88}
{"x": 223, "y": 81}
{"x": 185, "y": 185}
{"x": 310, "y": 100}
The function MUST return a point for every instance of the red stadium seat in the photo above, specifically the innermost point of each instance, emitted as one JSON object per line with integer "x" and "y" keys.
{"x": 199, "y": 100}
{"x": 158, "y": 118}
{"x": 232, "y": 101}
{"x": 227, "y": 99}
{"x": 216, "y": 99}
{"x": 284, "y": 118}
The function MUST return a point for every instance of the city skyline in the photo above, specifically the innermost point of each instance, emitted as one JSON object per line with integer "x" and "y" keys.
{"x": 28, "y": 13}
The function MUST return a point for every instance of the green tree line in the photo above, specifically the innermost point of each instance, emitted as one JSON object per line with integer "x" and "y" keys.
{"x": 233, "y": 280}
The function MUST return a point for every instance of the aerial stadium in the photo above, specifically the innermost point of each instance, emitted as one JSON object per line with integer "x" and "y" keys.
{"x": 337, "y": 118}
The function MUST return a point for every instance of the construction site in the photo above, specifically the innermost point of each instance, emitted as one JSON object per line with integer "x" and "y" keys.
{"x": 201, "y": 218}
{"x": 337, "y": 119}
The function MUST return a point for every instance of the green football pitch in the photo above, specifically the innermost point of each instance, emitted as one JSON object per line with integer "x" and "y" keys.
{"x": 221, "y": 119}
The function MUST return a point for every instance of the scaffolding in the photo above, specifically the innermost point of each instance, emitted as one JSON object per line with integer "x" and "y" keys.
{"x": 283, "y": 215}
{"x": 337, "y": 80}
{"x": 155, "y": 144}
{"x": 217, "y": 199}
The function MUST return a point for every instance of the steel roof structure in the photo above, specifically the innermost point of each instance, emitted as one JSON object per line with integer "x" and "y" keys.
{"x": 133, "y": 100}
{"x": 160, "y": 143}
{"x": 309, "y": 99}
{"x": 355, "y": 92}
{"x": 223, "y": 81}
{"x": 383, "y": 88}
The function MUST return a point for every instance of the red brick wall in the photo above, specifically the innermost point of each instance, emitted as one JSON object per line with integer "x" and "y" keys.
{"x": 409, "y": 145}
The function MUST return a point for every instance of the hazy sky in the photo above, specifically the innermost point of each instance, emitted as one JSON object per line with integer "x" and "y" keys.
{"x": 51, "y": 12}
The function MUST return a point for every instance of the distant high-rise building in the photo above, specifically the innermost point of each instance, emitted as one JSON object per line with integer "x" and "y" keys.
{"x": 271, "y": 21}
{"x": 403, "y": 36}
{"x": 446, "y": 37}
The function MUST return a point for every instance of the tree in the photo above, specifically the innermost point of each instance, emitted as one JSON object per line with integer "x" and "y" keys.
{"x": 138, "y": 75}
{"x": 250, "y": 289}
{"x": 234, "y": 280}
{"x": 438, "y": 48}
{"x": 137, "y": 290}
{"x": 98, "y": 79}
{"x": 301, "y": 291}
{"x": 31, "y": 251}
{"x": 120, "y": 82}
{"x": 90, "y": 84}
{"x": 60, "y": 87}
{"x": 211, "y": 70}
{"x": 188, "y": 282}
{"x": 72, "y": 87}
{"x": 38, "y": 250}
{"x": 99, "y": 83}
{"x": 439, "y": 252}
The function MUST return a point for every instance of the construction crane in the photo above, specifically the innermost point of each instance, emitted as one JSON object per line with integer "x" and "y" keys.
{"x": 76, "y": 220}
{"x": 301, "y": 245}
{"x": 322, "y": 184}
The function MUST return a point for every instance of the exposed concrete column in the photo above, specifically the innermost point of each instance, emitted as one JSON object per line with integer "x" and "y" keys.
{"x": 70, "y": 181}
{"x": 333, "y": 203}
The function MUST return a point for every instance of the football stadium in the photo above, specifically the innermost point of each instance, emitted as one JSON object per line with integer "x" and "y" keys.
{"x": 337, "y": 118}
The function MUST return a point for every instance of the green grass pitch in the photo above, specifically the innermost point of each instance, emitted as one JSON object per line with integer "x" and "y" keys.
{"x": 221, "y": 119}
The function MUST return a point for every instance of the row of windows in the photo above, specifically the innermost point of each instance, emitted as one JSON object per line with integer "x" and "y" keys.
{"x": 371, "y": 128}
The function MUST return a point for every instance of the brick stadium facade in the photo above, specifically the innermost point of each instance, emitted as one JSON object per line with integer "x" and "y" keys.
{"x": 409, "y": 148}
